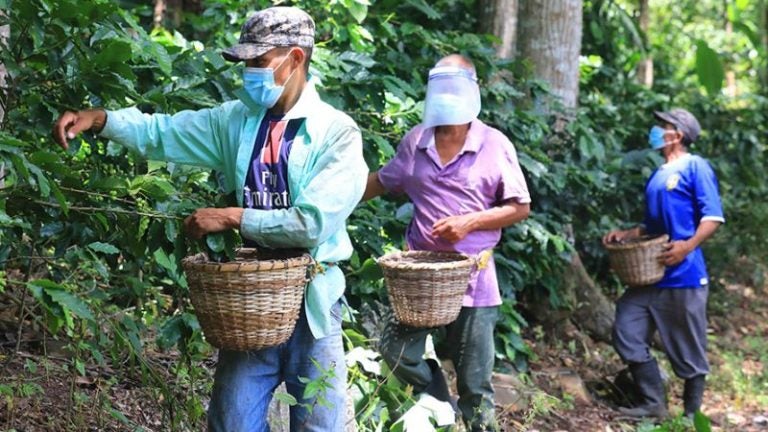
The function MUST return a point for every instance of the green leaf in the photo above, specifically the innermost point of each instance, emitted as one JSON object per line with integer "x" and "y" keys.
{"x": 215, "y": 242}
{"x": 113, "y": 52}
{"x": 80, "y": 367}
{"x": 358, "y": 10}
{"x": 63, "y": 203}
{"x": 701, "y": 422}
{"x": 164, "y": 261}
{"x": 70, "y": 302}
{"x": 709, "y": 68}
{"x": 286, "y": 398}
{"x": 171, "y": 230}
{"x": 170, "y": 332}
{"x": 424, "y": 7}
{"x": 158, "y": 52}
{"x": 7, "y": 221}
{"x": 104, "y": 248}
{"x": 750, "y": 31}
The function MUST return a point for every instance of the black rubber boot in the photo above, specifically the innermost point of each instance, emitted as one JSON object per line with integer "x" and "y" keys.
{"x": 693, "y": 392}
{"x": 651, "y": 388}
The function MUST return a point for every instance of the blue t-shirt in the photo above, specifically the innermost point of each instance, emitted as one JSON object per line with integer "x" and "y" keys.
{"x": 266, "y": 184}
{"x": 679, "y": 195}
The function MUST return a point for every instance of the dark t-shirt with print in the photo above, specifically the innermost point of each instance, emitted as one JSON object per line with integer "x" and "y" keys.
{"x": 266, "y": 184}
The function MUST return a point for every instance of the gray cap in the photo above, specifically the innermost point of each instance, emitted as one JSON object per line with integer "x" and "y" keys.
{"x": 683, "y": 121}
{"x": 270, "y": 28}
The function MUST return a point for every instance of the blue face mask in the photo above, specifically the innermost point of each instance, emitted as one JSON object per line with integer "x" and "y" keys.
{"x": 656, "y": 137}
{"x": 261, "y": 87}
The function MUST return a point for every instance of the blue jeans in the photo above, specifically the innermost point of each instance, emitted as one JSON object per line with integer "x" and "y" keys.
{"x": 245, "y": 382}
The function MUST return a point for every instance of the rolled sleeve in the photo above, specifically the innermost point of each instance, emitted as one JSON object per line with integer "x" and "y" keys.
{"x": 336, "y": 184}
{"x": 706, "y": 191}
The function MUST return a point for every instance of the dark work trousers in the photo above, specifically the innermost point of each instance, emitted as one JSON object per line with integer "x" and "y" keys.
{"x": 680, "y": 316}
{"x": 468, "y": 342}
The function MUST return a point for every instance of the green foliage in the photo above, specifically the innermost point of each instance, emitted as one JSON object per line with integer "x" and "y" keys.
{"x": 709, "y": 68}
{"x": 680, "y": 423}
{"x": 98, "y": 231}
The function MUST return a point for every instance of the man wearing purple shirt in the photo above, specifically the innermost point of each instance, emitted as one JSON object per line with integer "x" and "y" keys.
{"x": 465, "y": 182}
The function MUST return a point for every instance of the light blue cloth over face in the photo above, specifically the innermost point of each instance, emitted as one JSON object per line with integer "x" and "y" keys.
{"x": 326, "y": 176}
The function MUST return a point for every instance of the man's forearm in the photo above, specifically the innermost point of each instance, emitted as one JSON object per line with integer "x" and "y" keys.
{"x": 373, "y": 187}
{"x": 500, "y": 217}
{"x": 705, "y": 230}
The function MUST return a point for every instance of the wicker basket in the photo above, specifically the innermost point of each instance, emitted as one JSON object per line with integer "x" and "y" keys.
{"x": 249, "y": 303}
{"x": 637, "y": 262}
{"x": 426, "y": 289}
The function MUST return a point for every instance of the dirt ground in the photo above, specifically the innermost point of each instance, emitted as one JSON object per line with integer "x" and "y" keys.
{"x": 581, "y": 375}
{"x": 570, "y": 385}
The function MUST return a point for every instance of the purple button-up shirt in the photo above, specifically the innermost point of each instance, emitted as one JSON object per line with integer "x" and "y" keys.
{"x": 484, "y": 174}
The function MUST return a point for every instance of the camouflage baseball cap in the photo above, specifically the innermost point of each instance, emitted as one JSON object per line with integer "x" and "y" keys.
{"x": 683, "y": 121}
{"x": 274, "y": 27}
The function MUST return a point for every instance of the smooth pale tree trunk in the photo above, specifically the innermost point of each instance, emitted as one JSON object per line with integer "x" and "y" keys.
{"x": 499, "y": 18}
{"x": 173, "y": 10}
{"x": 158, "y": 13}
{"x": 730, "y": 74}
{"x": 549, "y": 37}
{"x": 645, "y": 66}
{"x": 550, "y": 40}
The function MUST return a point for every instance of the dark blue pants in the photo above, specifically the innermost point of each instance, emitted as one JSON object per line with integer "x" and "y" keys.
{"x": 680, "y": 316}
{"x": 468, "y": 341}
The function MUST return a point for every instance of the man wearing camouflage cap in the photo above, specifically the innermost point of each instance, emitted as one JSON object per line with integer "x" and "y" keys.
{"x": 682, "y": 201}
{"x": 297, "y": 168}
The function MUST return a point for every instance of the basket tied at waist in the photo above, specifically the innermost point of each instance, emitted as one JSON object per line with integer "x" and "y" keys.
{"x": 426, "y": 289}
{"x": 252, "y": 302}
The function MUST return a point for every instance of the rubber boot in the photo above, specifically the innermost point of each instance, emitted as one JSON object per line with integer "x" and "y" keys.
{"x": 651, "y": 389}
{"x": 693, "y": 392}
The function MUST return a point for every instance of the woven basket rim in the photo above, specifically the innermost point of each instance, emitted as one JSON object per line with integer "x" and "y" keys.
{"x": 201, "y": 263}
{"x": 637, "y": 244}
{"x": 392, "y": 260}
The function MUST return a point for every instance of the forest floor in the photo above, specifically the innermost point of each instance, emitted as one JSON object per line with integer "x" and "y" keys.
{"x": 571, "y": 384}
{"x": 578, "y": 375}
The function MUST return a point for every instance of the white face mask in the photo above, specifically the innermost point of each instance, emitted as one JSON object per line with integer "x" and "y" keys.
{"x": 453, "y": 97}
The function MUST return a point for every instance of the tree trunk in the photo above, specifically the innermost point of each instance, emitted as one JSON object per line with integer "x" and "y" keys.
{"x": 173, "y": 10}
{"x": 730, "y": 74}
{"x": 645, "y": 66}
{"x": 550, "y": 39}
{"x": 592, "y": 311}
{"x": 158, "y": 13}
{"x": 499, "y": 18}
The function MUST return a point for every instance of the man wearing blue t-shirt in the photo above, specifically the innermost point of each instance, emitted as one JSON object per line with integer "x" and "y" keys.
{"x": 682, "y": 201}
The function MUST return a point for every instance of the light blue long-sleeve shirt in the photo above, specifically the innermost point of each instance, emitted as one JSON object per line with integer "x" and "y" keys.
{"x": 326, "y": 176}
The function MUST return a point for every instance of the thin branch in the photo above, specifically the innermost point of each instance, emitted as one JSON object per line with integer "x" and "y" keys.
{"x": 111, "y": 210}
{"x": 69, "y": 189}
{"x": 22, "y": 308}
